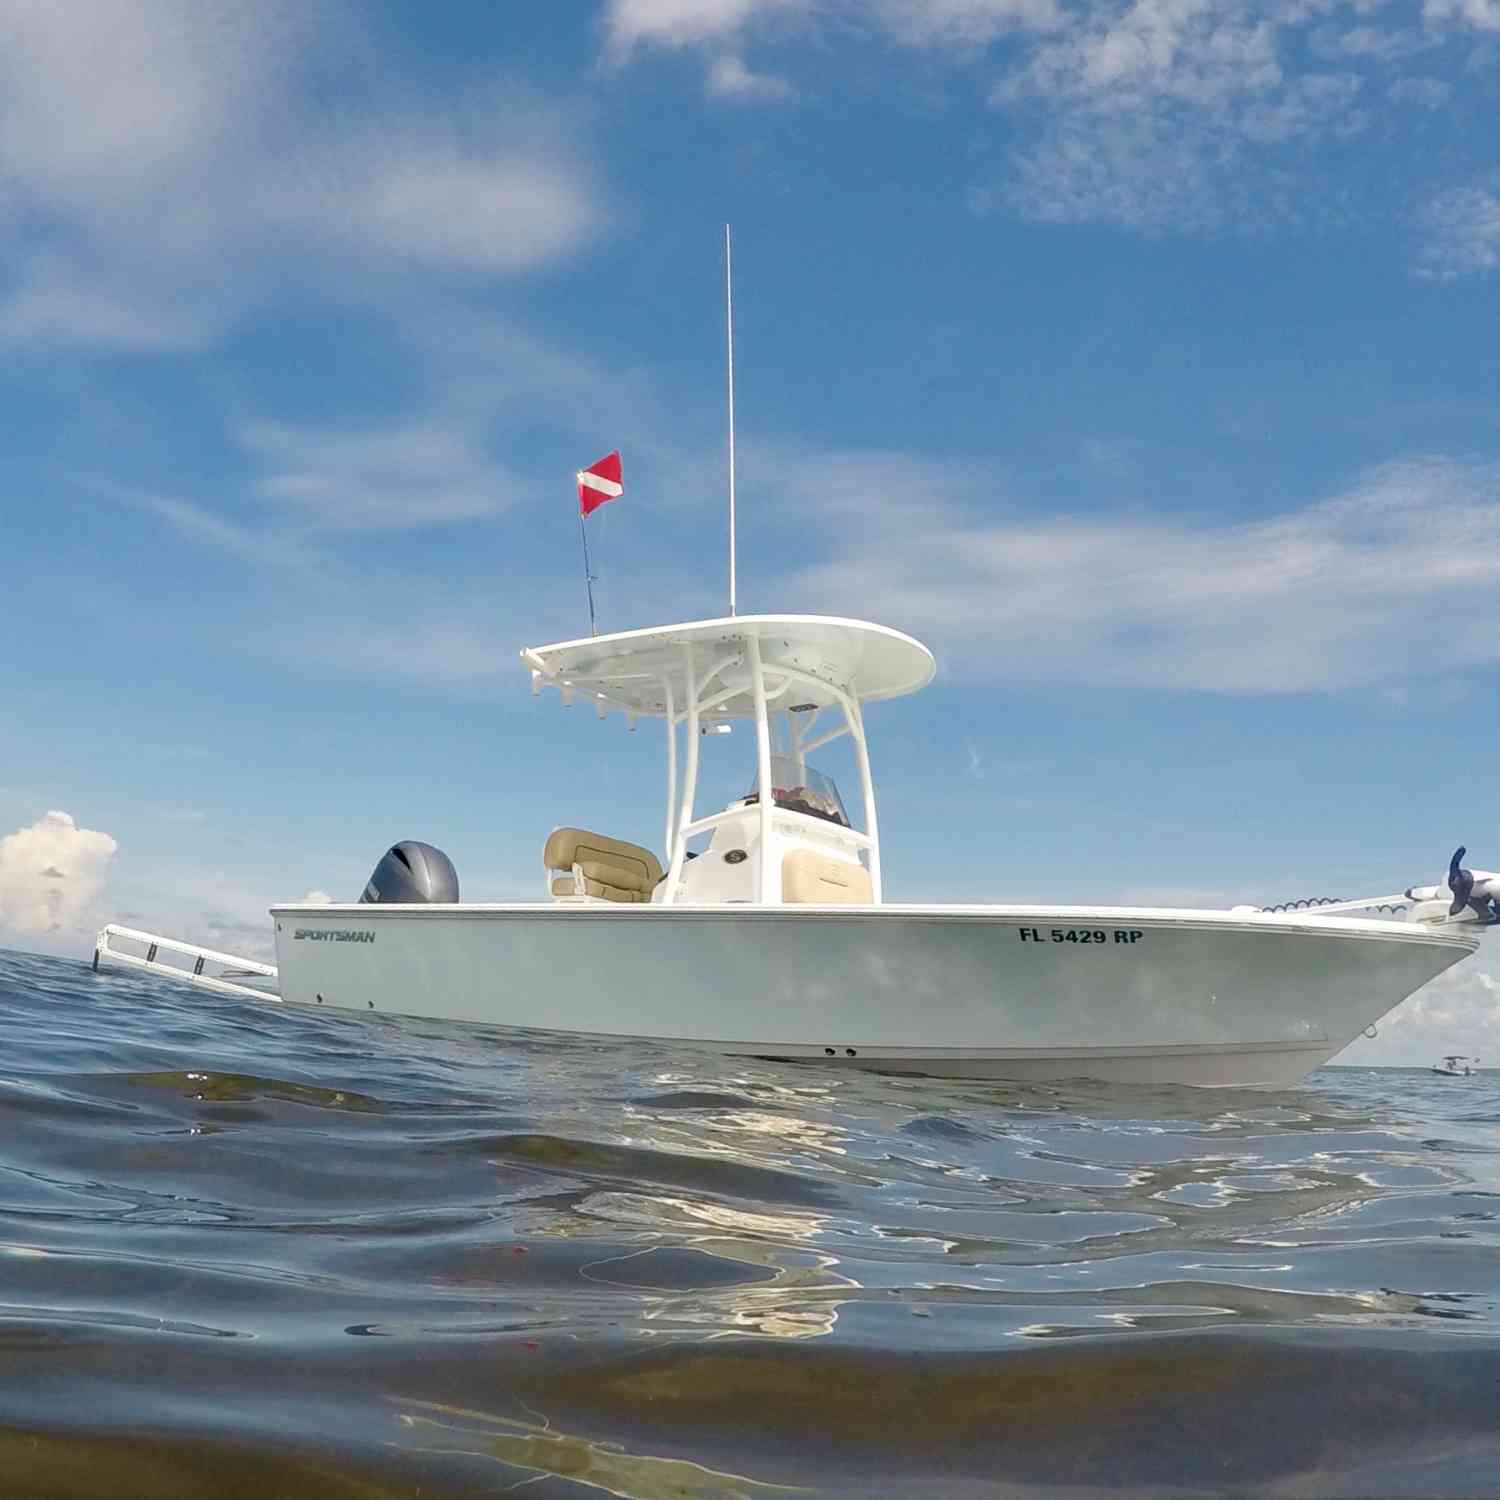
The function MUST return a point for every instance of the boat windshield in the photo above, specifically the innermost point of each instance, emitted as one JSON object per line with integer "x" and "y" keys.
{"x": 799, "y": 788}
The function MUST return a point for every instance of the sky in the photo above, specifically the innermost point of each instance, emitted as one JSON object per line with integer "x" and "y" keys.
{"x": 1137, "y": 357}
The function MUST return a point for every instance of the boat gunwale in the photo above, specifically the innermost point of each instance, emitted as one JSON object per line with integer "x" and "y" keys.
{"x": 1168, "y": 918}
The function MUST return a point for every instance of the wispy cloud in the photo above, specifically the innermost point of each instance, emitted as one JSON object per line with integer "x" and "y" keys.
{"x": 1195, "y": 117}
{"x": 1170, "y": 115}
{"x": 314, "y": 506}
{"x": 440, "y": 198}
{"x": 1482, "y": 15}
{"x": 72, "y": 298}
{"x": 1462, "y": 231}
{"x": 722, "y": 28}
{"x": 413, "y": 473}
{"x": 167, "y": 163}
{"x": 962, "y": 24}
{"x": 633, "y": 24}
{"x": 1205, "y": 116}
{"x": 440, "y": 643}
{"x": 729, "y": 78}
{"x": 1424, "y": 92}
{"x": 1383, "y": 582}
{"x": 630, "y": 24}
{"x": 198, "y": 522}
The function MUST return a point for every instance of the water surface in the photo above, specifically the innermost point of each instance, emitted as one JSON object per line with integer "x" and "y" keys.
{"x": 263, "y": 1251}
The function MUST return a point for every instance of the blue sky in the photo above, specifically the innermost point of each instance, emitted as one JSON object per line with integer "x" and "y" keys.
{"x": 1139, "y": 358}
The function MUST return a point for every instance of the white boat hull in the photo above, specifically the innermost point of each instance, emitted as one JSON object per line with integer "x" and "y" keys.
{"x": 1128, "y": 994}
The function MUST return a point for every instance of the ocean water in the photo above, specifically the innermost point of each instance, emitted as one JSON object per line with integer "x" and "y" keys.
{"x": 248, "y": 1251}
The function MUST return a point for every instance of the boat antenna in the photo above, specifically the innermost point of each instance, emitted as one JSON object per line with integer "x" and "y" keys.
{"x": 729, "y": 331}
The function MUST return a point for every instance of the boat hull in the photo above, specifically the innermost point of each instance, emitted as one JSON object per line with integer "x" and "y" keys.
{"x": 1130, "y": 994}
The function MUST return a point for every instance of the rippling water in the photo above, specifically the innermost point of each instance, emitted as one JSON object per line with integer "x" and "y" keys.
{"x": 254, "y": 1251}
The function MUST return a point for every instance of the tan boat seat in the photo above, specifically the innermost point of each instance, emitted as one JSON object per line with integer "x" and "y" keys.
{"x": 580, "y": 864}
{"x": 815, "y": 879}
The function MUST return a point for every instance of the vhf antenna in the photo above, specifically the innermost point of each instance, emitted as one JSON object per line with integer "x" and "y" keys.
{"x": 729, "y": 330}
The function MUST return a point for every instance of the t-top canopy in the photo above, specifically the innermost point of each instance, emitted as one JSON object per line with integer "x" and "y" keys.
{"x": 830, "y": 656}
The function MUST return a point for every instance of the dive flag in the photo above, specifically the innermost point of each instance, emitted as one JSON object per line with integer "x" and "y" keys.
{"x": 598, "y": 483}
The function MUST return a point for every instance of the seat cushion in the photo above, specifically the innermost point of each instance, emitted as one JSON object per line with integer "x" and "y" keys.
{"x": 816, "y": 879}
{"x": 611, "y": 868}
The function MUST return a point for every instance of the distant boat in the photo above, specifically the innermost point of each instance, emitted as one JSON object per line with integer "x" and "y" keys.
{"x": 1456, "y": 1066}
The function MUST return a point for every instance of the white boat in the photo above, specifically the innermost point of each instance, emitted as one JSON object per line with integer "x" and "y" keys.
{"x": 1455, "y": 1065}
{"x": 766, "y": 931}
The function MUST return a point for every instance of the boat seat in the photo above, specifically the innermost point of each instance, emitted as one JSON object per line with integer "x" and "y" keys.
{"x": 585, "y": 866}
{"x": 808, "y": 878}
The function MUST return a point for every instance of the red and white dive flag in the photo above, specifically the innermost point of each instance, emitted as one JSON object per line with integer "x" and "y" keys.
{"x": 598, "y": 483}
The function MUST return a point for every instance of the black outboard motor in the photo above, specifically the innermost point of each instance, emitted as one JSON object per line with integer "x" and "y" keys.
{"x": 413, "y": 872}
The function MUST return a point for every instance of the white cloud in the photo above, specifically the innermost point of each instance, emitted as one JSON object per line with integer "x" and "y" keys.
{"x": 1142, "y": 173}
{"x": 962, "y": 23}
{"x": 51, "y": 874}
{"x": 473, "y": 206}
{"x": 1174, "y": 114}
{"x": 100, "y": 104}
{"x": 1381, "y": 44}
{"x": 67, "y": 298}
{"x": 1202, "y": 54}
{"x": 1424, "y": 93}
{"x": 416, "y": 473}
{"x": 481, "y": 382}
{"x": 197, "y": 522}
{"x": 317, "y": 898}
{"x": 1171, "y": 116}
{"x": 1197, "y": 116}
{"x": 442, "y": 643}
{"x": 168, "y": 162}
{"x": 1483, "y": 15}
{"x": 1382, "y": 583}
{"x": 629, "y": 24}
{"x": 316, "y": 498}
{"x": 933, "y": 25}
{"x": 729, "y": 78}
{"x": 1462, "y": 229}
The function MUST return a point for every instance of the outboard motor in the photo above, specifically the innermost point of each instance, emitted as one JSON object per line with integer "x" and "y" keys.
{"x": 413, "y": 872}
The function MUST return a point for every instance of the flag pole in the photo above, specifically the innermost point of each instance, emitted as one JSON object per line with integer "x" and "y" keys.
{"x": 588, "y": 572}
{"x": 729, "y": 329}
